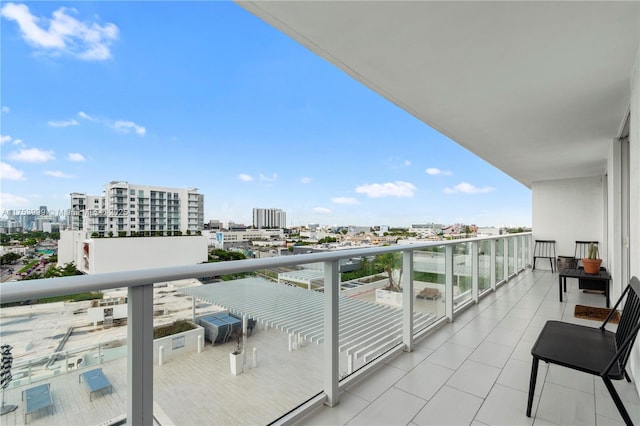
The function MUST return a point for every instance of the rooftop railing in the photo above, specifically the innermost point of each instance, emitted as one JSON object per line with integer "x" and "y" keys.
{"x": 356, "y": 321}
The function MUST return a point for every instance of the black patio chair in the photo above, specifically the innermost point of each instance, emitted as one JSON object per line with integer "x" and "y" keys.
{"x": 592, "y": 350}
{"x": 545, "y": 249}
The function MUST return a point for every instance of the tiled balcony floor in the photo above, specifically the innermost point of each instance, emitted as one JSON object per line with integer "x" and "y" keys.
{"x": 476, "y": 370}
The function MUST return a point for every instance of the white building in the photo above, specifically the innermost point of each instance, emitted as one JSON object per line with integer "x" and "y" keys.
{"x": 227, "y": 239}
{"x": 102, "y": 255}
{"x": 269, "y": 218}
{"x": 128, "y": 209}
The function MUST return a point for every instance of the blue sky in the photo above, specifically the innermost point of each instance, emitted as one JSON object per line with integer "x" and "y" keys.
{"x": 205, "y": 95}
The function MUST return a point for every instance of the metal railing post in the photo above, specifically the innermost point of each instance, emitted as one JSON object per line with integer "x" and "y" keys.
{"x": 448, "y": 281}
{"x": 140, "y": 356}
{"x": 407, "y": 300}
{"x": 331, "y": 320}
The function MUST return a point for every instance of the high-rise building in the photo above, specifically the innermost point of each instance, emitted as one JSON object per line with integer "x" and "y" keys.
{"x": 269, "y": 218}
{"x": 143, "y": 209}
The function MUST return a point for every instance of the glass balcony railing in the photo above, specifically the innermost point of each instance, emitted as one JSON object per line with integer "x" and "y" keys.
{"x": 305, "y": 326}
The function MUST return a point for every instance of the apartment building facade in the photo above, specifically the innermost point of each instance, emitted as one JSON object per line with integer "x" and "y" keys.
{"x": 269, "y": 218}
{"x": 127, "y": 209}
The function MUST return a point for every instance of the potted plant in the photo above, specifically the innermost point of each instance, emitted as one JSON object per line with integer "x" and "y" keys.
{"x": 235, "y": 357}
{"x": 592, "y": 263}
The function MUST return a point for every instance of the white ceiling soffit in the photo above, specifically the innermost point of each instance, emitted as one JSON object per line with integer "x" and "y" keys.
{"x": 538, "y": 89}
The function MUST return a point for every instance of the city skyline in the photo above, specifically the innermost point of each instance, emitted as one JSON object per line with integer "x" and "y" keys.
{"x": 226, "y": 104}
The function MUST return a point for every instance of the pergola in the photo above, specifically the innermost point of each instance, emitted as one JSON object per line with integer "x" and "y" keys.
{"x": 366, "y": 329}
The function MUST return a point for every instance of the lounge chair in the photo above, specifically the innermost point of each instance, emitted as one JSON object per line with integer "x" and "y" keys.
{"x": 95, "y": 381}
{"x": 37, "y": 398}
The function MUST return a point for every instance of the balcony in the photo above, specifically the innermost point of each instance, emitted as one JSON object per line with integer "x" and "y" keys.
{"x": 412, "y": 363}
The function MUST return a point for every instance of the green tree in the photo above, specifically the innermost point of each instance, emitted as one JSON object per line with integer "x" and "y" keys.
{"x": 94, "y": 235}
{"x": 9, "y": 258}
{"x": 390, "y": 262}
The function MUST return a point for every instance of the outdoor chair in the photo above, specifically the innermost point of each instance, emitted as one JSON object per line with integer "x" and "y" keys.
{"x": 545, "y": 249}
{"x": 592, "y": 350}
{"x": 37, "y": 398}
{"x": 95, "y": 381}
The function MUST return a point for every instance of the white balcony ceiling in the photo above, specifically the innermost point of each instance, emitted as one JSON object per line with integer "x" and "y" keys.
{"x": 538, "y": 89}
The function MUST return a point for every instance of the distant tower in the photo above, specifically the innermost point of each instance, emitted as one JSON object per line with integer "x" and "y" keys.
{"x": 269, "y": 218}
{"x": 43, "y": 211}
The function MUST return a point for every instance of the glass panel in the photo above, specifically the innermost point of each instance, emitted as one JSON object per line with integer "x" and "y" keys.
{"x": 499, "y": 260}
{"x": 256, "y": 330}
{"x": 55, "y": 344}
{"x": 428, "y": 286}
{"x": 484, "y": 266}
{"x": 461, "y": 274}
{"x": 511, "y": 256}
{"x": 370, "y": 309}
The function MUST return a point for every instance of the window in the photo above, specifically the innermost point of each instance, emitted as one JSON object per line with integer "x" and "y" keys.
{"x": 132, "y": 191}
{"x": 132, "y": 199}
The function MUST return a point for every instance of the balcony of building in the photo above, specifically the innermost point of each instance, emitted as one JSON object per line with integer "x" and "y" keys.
{"x": 457, "y": 357}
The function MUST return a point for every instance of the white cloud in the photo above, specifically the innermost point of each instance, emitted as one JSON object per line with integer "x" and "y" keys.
{"x": 65, "y": 34}
{"x": 123, "y": 126}
{"x": 322, "y": 210}
{"x": 5, "y": 110}
{"x": 267, "y": 178}
{"x": 5, "y": 138}
{"x": 17, "y": 141}
{"x": 390, "y": 189}
{"x": 8, "y": 172}
{"x": 63, "y": 123}
{"x": 407, "y": 163}
{"x": 57, "y": 173}
{"x": 10, "y": 201}
{"x": 85, "y": 116}
{"x": 434, "y": 171}
{"x": 75, "y": 156}
{"x": 32, "y": 155}
{"x": 467, "y": 188}
{"x": 126, "y": 126}
{"x": 305, "y": 180}
{"x": 245, "y": 178}
{"x": 344, "y": 200}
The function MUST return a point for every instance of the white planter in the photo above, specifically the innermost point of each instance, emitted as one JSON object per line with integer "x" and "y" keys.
{"x": 389, "y": 297}
{"x": 235, "y": 361}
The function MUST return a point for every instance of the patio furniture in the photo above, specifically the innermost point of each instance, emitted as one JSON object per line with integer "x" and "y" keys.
{"x": 36, "y": 399}
{"x": 592, "y": 350}
{"x": 599, "y": 280}
{"x": 95, "y": 381}
{"x": 545, "y": 249}
{"x": 429, "y": 293}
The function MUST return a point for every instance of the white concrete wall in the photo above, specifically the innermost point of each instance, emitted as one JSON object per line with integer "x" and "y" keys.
{"x": 567, "y": 211}
{"x": 188, "y": 338}
{"x": 68, "y": 247}
{"x": 127, "y": 254}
